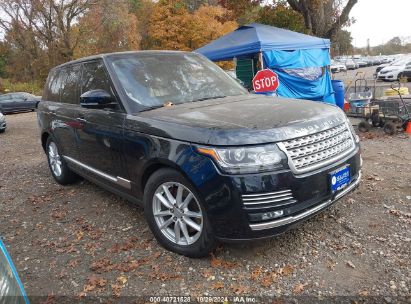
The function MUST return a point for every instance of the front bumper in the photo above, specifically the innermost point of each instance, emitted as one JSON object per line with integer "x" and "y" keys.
{"x": 387, "y": 76}
{"x": 306, "y": 214}
{"x": 232, "y": 220}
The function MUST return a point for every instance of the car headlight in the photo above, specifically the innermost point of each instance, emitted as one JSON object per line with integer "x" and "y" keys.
{"x": 242, "y": 160}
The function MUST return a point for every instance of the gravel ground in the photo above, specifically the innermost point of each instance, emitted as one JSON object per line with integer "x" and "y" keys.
{"x": 80, "y": 241}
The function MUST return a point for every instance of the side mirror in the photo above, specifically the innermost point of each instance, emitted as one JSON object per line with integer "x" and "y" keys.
{"x": 96, "y": 99}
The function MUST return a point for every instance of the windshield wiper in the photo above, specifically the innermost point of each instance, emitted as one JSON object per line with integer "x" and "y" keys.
{"x": 151, "y": 108}
{"x": 165, "y": 105}
{"x": 207, "y": 98}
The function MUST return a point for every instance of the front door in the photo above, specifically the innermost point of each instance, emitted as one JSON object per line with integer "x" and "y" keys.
{"x": 100, "y": 144}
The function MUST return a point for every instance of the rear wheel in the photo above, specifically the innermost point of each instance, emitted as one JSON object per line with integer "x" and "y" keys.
{"x": 176, "y": 215}
{"x": 58, "y": 167}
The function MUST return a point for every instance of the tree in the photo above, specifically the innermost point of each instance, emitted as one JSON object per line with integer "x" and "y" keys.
{"x": 324, "y": 18}
{"x": 242, "y": 11}
{"x": 108, "y": 27}
{"x": 173, "y": 27}
{"x": 42, "y": 32}
{"x": 281, "y": 15}
{"x": 342, "y": 43}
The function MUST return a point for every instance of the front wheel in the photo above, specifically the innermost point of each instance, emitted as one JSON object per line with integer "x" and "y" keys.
{"x": 58, "y": 167}
{"x": 176, "y": 215}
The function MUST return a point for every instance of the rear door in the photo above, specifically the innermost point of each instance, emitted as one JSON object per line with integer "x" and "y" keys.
{"x": 62, "y": 102}
{"x": 20, "y": 102}
{"x": 100, "y": 142}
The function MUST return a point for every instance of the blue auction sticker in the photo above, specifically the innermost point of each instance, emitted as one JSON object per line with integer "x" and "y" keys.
{"x": 340, "y": 178}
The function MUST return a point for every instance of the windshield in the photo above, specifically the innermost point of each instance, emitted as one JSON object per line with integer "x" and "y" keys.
{"x": 402, "y": 61}
{"x": 156, "y": 79}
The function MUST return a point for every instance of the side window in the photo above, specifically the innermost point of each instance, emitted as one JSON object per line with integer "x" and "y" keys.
{"x": 95, "y": 76}
{"x": 4, "y": 98}
{"x": 52, "y": 90}
{"x": 70, "y": 89}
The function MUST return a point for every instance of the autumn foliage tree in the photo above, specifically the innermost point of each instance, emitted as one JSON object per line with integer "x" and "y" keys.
{"x": 108, "y": 27}
{"x": 173, "y": 27}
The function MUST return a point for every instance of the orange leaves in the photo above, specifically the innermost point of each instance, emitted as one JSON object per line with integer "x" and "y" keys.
{"x": 219, "y": 263}
{"x": 92, "y": 283}
{"x": 286, "y": 270}
{"x": 176, "y": 28}
{"x": 217, "y": 285}
{"x": 267, "y": 278}
{"x": 299, "y": 288}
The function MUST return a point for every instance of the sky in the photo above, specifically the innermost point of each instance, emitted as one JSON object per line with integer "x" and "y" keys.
{"x": 379, "y": 21}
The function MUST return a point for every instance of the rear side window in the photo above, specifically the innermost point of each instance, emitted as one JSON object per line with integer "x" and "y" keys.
{"x": 5, "y": 97}
{"x": 70, "y": 77}
{"x": 95, "y": 77}
{"x": 52, "y": 88}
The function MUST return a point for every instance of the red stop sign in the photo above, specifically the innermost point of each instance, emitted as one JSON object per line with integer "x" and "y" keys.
{"x": 265, "y": 81}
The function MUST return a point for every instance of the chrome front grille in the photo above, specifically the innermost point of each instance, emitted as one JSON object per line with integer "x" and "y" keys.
{"x": 316, "y": 150}
{"x": 268, "y": 200}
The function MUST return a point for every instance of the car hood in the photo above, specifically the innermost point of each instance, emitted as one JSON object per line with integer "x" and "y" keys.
{"x": 390, "y": 68}
{"x": 237, "y": 120}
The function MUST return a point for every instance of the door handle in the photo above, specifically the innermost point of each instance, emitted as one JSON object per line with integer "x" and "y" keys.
{"x": 81, "y": 119}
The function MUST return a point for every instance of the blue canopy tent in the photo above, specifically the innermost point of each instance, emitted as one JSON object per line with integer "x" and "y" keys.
{"x": 299, "y": 60}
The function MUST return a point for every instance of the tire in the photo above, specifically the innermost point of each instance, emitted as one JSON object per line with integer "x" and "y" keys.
{"x": 198, "y": 243}
{"x": 364, "y": 126}
{"x": 390, "y": 128}
{"x": 64, "y": 176}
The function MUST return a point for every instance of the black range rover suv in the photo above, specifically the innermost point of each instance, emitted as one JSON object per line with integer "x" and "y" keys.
{"x": 207, "y": 160}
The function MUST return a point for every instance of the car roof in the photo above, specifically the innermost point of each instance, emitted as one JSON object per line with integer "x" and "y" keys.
{"x": 14, "y": 93}
{"x": 114, "y": 54}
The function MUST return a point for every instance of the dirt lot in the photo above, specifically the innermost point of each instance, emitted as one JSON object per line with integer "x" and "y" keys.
{"x": 80, "y": 240}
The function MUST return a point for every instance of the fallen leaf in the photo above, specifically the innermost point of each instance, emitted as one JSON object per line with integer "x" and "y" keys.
{"x": 256, "y": 273}
{"x": 287, "y": 270}
{"x": 363, "y": 293}
{"x": 267, "y": 281}
{"x": 217, "y": 285}
{"x": 239, "y": 289}
{"x": 73, "y": 263}
{"x": 219, "y": 263}
{"x": 122, "y": 279}
{"x": 117, "y": 289}
{"x": 299, "y": 288}
{"x": 79, "y": 235}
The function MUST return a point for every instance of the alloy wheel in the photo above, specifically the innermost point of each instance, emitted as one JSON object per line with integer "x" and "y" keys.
{"x": 177, "y": 213}
{"x": 54, "y": 159}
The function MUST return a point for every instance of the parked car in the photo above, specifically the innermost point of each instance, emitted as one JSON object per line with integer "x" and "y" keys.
{"x": 391, "y": 72}
{"x": 341, "y": 66}
{"x": 351, "y": 64}
{"x": 334, "y": 68}
{"x": 3, "y": 124}
{"x": 381, "y": 66}
{"x": 207, "y": 160}
{"x": 405, "y": 74}
{"x": 18, "y": 102}
{"x": 361, "y": 63}
{"x": 11, "y": 288}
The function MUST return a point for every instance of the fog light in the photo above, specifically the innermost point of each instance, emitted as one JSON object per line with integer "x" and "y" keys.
{"x": 271, "y": 215}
